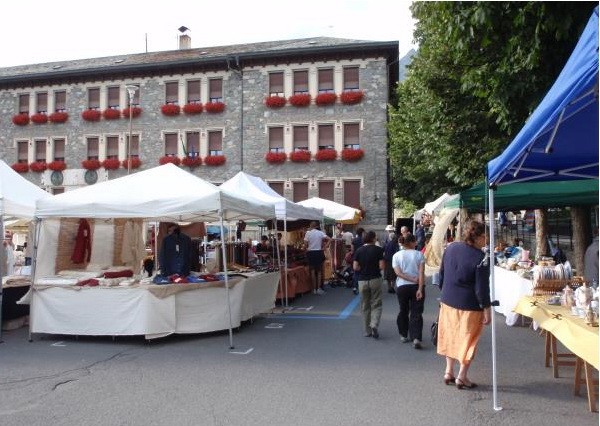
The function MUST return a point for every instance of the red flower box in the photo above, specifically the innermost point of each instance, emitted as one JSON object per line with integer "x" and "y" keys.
{"x": 275, "y": 101}
{"x": 300, "y": 100}
{"x": 111, "y": 114}
{"x": 214, "y": 160}
{"x": 193, "y": 108}
{"x": 135, "y": 112}
{"x": 57, "y": 166}
{"x": 191, "y": 161}
{"x": 58, "y": 117}
{"x": 170, "y": 109}
{"x": 325, "y": 98}
{"x": 21, "y": 119}
{"x": 135, "y": 163}
{"x": 214, "y": 107}
{"x": 111, "y": 164}
{"x": 352, "y": 154}
{"x": 351, "y": 97}
{"x": 39, "y": 118}
{"x": 91, "y": 164}
{"x": 38, "y": 166}
{"x": 91, "y": 115}
{"x": 20, "y": 167}
{"x": 169, "y": 159}
{"x": 302, "y": 156}
{"x": 326, "y": 155}
{"x": 276, "y": 157}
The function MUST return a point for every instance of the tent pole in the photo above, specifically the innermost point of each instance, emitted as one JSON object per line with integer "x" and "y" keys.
{"x": 36, "y": 243}
{"x": 285, "y": 259}
{"x": 224, "y": 255}
{"x": 3, "y": 271}
{"x": 492, "y": 261}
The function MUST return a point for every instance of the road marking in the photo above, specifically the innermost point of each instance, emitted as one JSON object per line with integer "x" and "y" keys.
{"x": 310, "y": 308}
{"x": 350, "y": 307}
{"x": 346, "y": 312}
{"x": 58, "y": 344}
{"x": 274, "y": 325}
{"x": 242, "y": 353}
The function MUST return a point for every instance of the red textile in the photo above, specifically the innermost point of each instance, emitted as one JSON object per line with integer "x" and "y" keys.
{"x": 92, "y": 282}
{"x": 83, "y": 243}
{"x": 126, "y": 273}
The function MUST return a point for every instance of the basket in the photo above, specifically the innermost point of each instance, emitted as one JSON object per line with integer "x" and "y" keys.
{"x": 543, "y": 287}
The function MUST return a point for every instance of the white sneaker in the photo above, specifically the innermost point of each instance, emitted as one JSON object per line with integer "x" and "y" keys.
{"x": 417, "y": 344}
{"x": 319, "y": 291}
{"x": 315, "y": 292}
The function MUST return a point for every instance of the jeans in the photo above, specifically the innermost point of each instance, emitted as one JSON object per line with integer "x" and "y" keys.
{"x": 410, "y": 317}
{"x": 370, "y": 302}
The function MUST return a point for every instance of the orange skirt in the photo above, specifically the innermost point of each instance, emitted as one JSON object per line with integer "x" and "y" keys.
{"x": 458, "y": 333}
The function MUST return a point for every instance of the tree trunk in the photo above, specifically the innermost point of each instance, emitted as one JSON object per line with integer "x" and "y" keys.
{"x": 581, "y": 220}
{"x": 463, "y": 217}
{"x": 541, "y": 233}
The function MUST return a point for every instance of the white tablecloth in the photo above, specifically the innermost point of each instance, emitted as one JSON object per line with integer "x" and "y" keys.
{"x": 510, "y": 287}
{"x": 113, "y": 311}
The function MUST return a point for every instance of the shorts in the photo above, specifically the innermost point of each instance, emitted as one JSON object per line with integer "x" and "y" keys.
{"x": 315, "y": 258}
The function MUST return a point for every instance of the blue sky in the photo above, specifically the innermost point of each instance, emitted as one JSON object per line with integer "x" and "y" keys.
{"x": 35, "y": 31}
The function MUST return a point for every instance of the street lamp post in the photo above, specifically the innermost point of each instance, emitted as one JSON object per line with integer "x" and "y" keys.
{"x": 131, "y": 91}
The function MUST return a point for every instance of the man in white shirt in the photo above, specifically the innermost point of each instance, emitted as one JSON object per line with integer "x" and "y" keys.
{"x": 313, "y": 240}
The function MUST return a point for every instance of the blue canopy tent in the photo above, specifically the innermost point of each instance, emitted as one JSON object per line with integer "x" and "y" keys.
{"x": 559, "y": 141}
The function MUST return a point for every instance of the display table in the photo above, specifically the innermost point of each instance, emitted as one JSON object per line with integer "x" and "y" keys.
{"x": 12, "y": 291}
{"x": 509, "y": 289}
{"x": 150, "y": 310}
{"x": 298, "y": 282}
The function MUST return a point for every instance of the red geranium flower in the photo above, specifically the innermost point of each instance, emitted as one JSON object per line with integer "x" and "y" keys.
{"x": 193, "y": 108}
{"x": 169, "y": 159}
{"x": 111, "y": 114}
{"x": 351, "y": 97}
{"x": 135, "y": 163}
{"x": 214, "y": 160}
{"x": 276, "y": 157}
{"x": 38, "y": 166}
{"x": 39, "y": 118}
{"x": 91, "y": 115}
{"x": 170, "y": 109}
{"x": 191, "y": 161}
{"x": 325, "y": 98}
{"x": 91, "y": 164}
{"x": 58, "y": 117}
{"x": 135, "y": 112}
{"x": 214, "y": 107}
{"x": 111, "y": 163}
{"x": 302, "y": 156}
{"x": 300, "y": 100}
{"x": 275, "y": 101}
{"x": 20, "y": 167}
{"x": 21, "y": 119}
{"x": 57, "y": 165}
{"x": 326, "y": 155}
{"x": 352, "y": 154}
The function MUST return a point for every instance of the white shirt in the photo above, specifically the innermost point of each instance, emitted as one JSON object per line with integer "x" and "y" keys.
{"x": 314, "y": 238}
{"x": 409, "y": 262}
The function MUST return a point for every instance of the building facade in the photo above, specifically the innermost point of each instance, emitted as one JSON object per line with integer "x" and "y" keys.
{"x": 308, "y": 116}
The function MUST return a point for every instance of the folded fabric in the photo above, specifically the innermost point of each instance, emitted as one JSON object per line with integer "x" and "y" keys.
{"x": 194, "y": 279}
{"x": 119, "y": 274}
{"x": 56, "y": 281}
{"x": 80, "y": 274}
{"x": 92, "y": 282}
{"x": 161, "y": 279}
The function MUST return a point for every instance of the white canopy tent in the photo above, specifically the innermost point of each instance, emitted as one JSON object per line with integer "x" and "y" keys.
{"x": 433, "y": 206}
{"x": 165, "y": 193}
{"x": 336, "y": 211}
{"x": 255, "y": 188}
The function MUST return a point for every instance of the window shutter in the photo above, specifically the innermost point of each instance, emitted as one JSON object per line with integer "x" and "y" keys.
{"x": 215, "y": 86}
{"x": 276, "y": 139}
{"x": 277, "y": 187}
{"x": 60, "y": 101}
{"x": 300, "y": 137}
{"x": 171, "y": 144}
{"x": 134, "y": 151}
{"x": 92, "y": 148}
{"x": 326, "y": 80}
{"x": 326, "y": 190}
{"x": 352, "y": 193}
{"x": 24, "y": 104}
{"x": 351, "y": 138}
{"x": 42, "y": 102}
{"x": 276, "y": 83}
{"x": 172, "y": 92}
{"x": 112, "y": 147}
{"x": 59, "y": 149}
{"x": 22, "y": 151}
{"x": 351, "y": 78}
{"x": 193, "y": 143}
{"x": 326, "y": 136}
{"x": 193, "y": 91}
{"x": 300, "y": 81}
{"x": 113, "y": 97}
{"x": 300, "y": 190}
{"x": 215, "y": 141}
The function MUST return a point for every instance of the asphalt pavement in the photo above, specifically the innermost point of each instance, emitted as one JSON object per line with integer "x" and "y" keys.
{"x": 309, "y": 365}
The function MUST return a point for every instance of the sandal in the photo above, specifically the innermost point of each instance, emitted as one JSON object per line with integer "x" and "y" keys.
{"x": 463, "y": 385}
{"x": 449, "y": 379}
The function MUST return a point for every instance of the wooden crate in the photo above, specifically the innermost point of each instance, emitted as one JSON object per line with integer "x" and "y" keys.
{"x": 543, "y": 287}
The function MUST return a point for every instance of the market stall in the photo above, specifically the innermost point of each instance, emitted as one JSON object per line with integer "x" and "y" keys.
{"x": 164, "y": 193}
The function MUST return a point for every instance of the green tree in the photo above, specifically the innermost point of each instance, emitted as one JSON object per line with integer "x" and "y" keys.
{"x": 481, "y": 69}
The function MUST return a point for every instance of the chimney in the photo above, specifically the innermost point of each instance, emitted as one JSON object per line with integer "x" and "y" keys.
{"x": 185, "y": 41}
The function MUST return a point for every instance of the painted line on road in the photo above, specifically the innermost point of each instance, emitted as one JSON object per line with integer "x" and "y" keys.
{"x": 346, "y": 312}
{"x": 242, "y": 353}
{"x": 350, "y": 307}
{"x": 58, "y": 344}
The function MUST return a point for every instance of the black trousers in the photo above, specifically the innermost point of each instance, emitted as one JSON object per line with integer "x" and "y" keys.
{"x": 410, "y": 317}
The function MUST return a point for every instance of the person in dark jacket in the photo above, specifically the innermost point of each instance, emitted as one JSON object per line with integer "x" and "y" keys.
{"x": 465, "y": 303}
{"x": 174, "y": 255}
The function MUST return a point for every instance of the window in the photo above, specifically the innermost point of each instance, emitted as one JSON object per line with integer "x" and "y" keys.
{"x": 300, "y": 191}
{"x": 300, "y": 82}
{"x": 59, "y": 149}
{"x": 113, "y": 97}
{"x": 193, "y": 144}
{"x": 93, "y": 149}
{"x": 277, "y": 187}
{"x": 351, "y": 139}
{"x": 60, "y": 101}
{"x": 40, "y": 150}
{"x": 215, "y": 90}
{"x": 276, "y": 139}
{"x": 276, "y": 84}
{"x": 352, "y": 193}
{"x": 351, "y": 78}
{"x": 193, "y": 92}
{"x": 171, "y": 144}
{"x": 112, "y": 147}
{"x": 22, "y": 152}
{"x": 94, "y": 98}
{"x": 134, "y": 150}
{"x": 300, "y": 141}
{"x": 24, "y": 104}
{"x": 326, "y": 190}
{"x": 326, "y": 136}
{"x": 41, "y": 102}
{"x": 215, "y": 143}
{"x": 172, "y": 93}
{"x": 326, "y": 80}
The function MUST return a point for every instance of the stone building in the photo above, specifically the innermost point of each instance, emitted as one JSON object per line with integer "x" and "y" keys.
{"x": 264, "y": 108}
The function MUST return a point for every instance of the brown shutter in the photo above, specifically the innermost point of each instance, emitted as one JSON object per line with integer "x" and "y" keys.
{"x": 134, "y": 151}
{"x": 276, "y": 139}
{"x": 276, "y": 83}
{"x": 326, "y": 190}
{"x": 112, "y": 147}
{"x": 352, "y": 193}
{"x": 193, "y": 91}
{"x": 24, "y": 104}
{"x": 60, "y": 101}
{"x": 351, "y": 78}
{"x": 193, "y": 143}
{"x": 300, "y": 81}
{"x": 300, "y": 190}
{"x": 351, "y": 138}
{"x": 300, "y": 137}
{"x": 215, "y": 143}
{"x": 40, "y": 150}
{"x": 172, "y": 92}
{"x": 22, "y": 151}
{"x": 92, "y": 148}
{"x": 277, "y": 187}
{"x": 59, "y": 149}
{"x": 113, "y": 97}
{"x": 94, "y": 98}
{"x": 326, "y": 80}
{"x": 215, "y": 89}
{"x": 42, "y": 102}
{"x": 171, "y": 144}
{"x": 326, "y": 136}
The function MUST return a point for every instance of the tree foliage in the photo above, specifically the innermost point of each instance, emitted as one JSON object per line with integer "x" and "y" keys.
{"x": 480, "y": 70}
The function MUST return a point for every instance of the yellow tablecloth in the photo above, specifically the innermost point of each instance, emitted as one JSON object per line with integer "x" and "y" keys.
{"x": 571, "y": 331}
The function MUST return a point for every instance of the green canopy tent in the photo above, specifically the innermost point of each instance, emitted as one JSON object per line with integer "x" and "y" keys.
{"x": 529, "y": 195}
